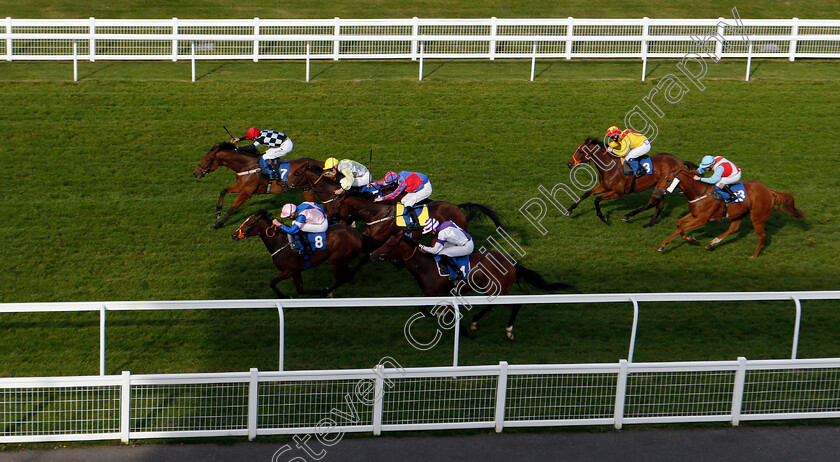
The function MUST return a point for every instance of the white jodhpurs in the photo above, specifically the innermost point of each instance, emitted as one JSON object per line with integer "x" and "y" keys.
{"x": 280, "y": 151}
{"x": 414, "y": 197}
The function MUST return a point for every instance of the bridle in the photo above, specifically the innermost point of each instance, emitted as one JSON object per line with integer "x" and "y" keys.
{"x": 212, "y": 160}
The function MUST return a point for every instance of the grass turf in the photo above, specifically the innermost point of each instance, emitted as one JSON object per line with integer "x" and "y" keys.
{"x": 99, "y": 204}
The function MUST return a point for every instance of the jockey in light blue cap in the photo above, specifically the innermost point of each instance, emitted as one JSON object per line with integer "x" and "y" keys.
{"x": 725, "y": 173}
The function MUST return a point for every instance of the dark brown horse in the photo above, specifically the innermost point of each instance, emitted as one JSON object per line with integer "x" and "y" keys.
{"x": 703, "y": 207}
{"x": 614, "y": 184}
{"x": 343, "y": 245}
{"x": 248, "y": 181}
{"x": 491, "y": 274}
{"x": 379, "y": 217}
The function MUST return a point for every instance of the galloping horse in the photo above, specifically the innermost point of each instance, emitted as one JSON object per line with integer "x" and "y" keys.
{"x": 614, "y": 184}
{"x": 343, "y": 245}
{"x": 703, "y": 207}
{"x": 248, "y": 180}
{"x": 491, "y": 274}
{"x": 379, "y": 217}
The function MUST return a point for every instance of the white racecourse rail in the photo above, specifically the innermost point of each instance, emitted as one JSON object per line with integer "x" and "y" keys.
{"x": 459, "y": 303}
{"x": 415, "y": 38}
{"x": 330, "y": 403}
{"x": 395, "y": 399}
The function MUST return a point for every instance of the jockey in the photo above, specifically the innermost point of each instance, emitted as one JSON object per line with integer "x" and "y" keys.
{"x": 278, "y": 146}
{"x": 308, "y": 217}
{"x": 452, "y": 241}
{"x": 725, "y": 173}
{"x": 415, "y": 184}
{"x": 628, "y": 145}
{"x": 355, "y": 175}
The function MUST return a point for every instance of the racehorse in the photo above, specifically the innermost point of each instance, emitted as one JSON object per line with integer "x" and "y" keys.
{"x": 342, "y": 246}
{"x": 703, "y": 207}
{"x": 614, "y": 184}
{"x": 248, "y": 180}
{"x": 491, "y": 274}
{"x": 379, "y": 217}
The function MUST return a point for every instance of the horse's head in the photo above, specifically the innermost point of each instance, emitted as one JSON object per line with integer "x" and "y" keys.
{"x": 253, "y": 225}
{"x": 586, "y": 151}
{"x": 669, "y": 182}
{"x": 217, "y": 155}
{"x": 397, "y": 247}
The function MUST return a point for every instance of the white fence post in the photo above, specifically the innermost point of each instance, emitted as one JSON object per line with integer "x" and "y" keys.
{"x": 75, "y": 60}
{"x": 256, "y": 39}
{"x": 101, "y": 338}
{"x": 644, "y": 50}
{"x": 569, "y": 37}
{"x": 620, "y": 392}
{"x": 92, "y": 41}
{"x": 336, "y": 42}
{"x": 721, "y": 28}
{"x": 415, "y": 31}
{"x": 253, "y": 401}
{"x": 125, "y": 407}
{"x": 749, "y": 61}
{"x": 378, "y": 397}
{"x": 421, "y": 62}
{"x": 456, "y": 342}
{"x": 534, "y": 61}
{"x": 8, "y": 40}
{"x": 308, "y": 57}
{"x": 175, "y": 39}
{"x": 282, "y": 339}
{"x": 501, "y": 396}
{"x": 796, "y": 328}
{"x": 633, "y": 331}
{"x": 492, "y": 45}
{"x": 738, "y": 390}
{"x": 794, "y": 37}
{"x": 192, "y": 55}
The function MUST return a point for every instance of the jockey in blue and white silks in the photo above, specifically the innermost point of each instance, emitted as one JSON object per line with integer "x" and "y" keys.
{"x": 452, "y": 241}
{"x": 308, "y": 217}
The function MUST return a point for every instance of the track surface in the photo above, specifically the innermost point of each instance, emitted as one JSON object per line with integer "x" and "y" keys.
{"x": 767, "y": 444}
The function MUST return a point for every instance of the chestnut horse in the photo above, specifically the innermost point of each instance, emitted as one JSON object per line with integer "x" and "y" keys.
{"x": 248, "y": 181}
{"x": 379, "y": 217}
{"x": 614, "y": 184}
{"x": 492, "y": 274}
{"x": 343, "y": 245}
{"x": 703, "y": 207}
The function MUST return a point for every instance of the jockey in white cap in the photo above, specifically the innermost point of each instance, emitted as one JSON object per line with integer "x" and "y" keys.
{"x": 452, "y": 241}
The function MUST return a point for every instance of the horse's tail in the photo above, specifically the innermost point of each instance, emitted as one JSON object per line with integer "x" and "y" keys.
{"x": 784, "y": 203}
{"x": 473, "y": 210}
{"x": 690, "y": 165}
{"x": 537, "y": 280}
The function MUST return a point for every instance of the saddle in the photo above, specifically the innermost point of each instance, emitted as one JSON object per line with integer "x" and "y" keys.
{"x": 444, "y": 270}
{"x": 643, "y": 164}
{"x": 412, "y": 217}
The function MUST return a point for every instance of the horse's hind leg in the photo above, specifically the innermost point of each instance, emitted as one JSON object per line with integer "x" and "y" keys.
{"x": 514, "y": 310}
{"x": 759, "y": 231}
{"x": 652, "y": 202}
{"x": 273, "y": 284}
{"x": 732, "y": 228}
{"x": 659, "y": 206}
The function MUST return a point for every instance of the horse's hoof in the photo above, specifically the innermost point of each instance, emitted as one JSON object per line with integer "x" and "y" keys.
{"x": 604, "y": 219}
{"x": 509, "y": 336}
{"x": 218, "y": 214}
{"x": 473, "y": 326}
{"x": 213, "y": 227}
{"x": 648, "y": 225}
{"x": 568, "y": 213}
{"x": 708, "y": 247}
{"x": 625, "y": 218}
{"x": 661, "y": 248}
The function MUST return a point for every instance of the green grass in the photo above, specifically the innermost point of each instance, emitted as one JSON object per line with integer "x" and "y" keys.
{"x": 142, "y": 9}
{"x": 99, "y": 204}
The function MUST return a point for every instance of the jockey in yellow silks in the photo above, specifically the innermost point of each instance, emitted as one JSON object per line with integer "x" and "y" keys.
{"x": 628, "y": 145}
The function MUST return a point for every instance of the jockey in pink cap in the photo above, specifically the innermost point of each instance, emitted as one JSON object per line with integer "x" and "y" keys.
{"x": 308, "y": 217}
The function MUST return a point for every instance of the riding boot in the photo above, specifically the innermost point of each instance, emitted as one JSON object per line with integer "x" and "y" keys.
{"x": 640, "y": 172}
{"x": 415, "y": 222}
{"x": 307, "y": 246}
{"x": 728, "y": 190}
{"x": 266, "y": 170}
{"x": 455, "y": 272}
{"x": 293, "y": 243}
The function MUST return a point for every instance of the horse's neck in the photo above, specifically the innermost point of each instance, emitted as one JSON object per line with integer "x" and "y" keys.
{"x": 605, "y": 163}
{"x": 239, "y": 162}
{"x": 420, "y": 265}
{"x": 275, "y": 242}
{"x": 369, "y": 210}
{"x": 692, "y": 188}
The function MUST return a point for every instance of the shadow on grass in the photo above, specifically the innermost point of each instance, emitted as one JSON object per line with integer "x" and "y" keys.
{"x": 96, "y": 71}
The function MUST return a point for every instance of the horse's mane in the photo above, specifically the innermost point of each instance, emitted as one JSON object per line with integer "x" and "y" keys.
{"x": 264, "y": 214}
{"x": 594, "y": 140}
{"x": 228, "y": 146}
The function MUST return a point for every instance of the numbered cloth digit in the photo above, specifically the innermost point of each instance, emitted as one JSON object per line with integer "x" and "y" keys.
{"x": 741, "y": 195}
{"x": 319, "y": 241}
{"x": 647, "y": 168}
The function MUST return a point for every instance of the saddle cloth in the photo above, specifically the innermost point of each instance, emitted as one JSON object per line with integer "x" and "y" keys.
{"x": 404, "y": 219}
{"x": 462, "y": 262}
{"x": 738, "y": 188}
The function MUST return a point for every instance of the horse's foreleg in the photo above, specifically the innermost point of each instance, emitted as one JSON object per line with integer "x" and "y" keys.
{"x": 273, "y": 284}
{"x": 592, "y": 192}
{"x": 732, "y": 228}
{"x": 653, "y": 201}
{"x": 691, "y": 223}
{"x": 240, "y": 199}
{"x": 514, "y": 310}
{"x": 610, "y": 195}
{"x": 231, "y": 189}
{"x": 659, "y": 206}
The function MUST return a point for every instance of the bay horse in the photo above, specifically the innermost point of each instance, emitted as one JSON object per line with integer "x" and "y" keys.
{"x": 248, "y": 181}
{"x": 343, "y": 245}
{"x": 491, "y": 274}
{"x": 703, "y": 207}
{"x": 614, "y": 184}
{"x": 379, "y": 217}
